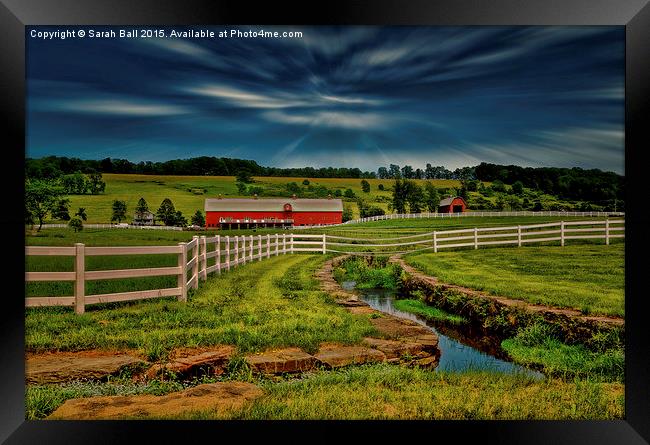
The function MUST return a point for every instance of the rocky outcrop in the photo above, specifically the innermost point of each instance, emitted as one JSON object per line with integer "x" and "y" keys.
{"x": 85, "y": 365}
{"x": 214, "y": 397}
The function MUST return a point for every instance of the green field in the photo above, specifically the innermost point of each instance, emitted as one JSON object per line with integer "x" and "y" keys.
{"x": 271, "y": 303}
{"x": 182, "y": 191}
{"x": 586, "y": 277}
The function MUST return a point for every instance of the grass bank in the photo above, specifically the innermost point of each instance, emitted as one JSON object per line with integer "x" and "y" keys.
{"x": 588, "y": 277}
{"x": 539, "y": 346}
{"x": 374, "y": 272}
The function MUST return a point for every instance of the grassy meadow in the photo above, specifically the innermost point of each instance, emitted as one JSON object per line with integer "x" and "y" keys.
{"x": 272, "y": 303}
{"x": 188, "y": 193}
{"x": 589, "y": 277}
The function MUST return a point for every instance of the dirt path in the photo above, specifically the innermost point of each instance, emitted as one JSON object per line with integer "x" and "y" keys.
{"x": 572, "y": 313}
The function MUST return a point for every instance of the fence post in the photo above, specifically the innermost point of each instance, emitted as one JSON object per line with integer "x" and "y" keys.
{"x": 204, "y": 259}
{"x": 80, "y": 279}
{"x": 284, "y": 243}
{"x": 518, "y": 236}
{"x": 252, "y": 242}
{"x": 228, "y": 252}
{"x": 259, "y": 245}
{"x": 236, "y": 250}
{"x": 435, "y": 243}
{"x": 277, "y": 244}
{"x": 268, "y": 245}
{"x": 195, "y": 267}
{"x": 561, "y": 233}
{"x": 182, "y": 277}
{"x": 217, "y": 257}
{"x": 324, "y": 241}
{"x": 607, "y": 232}
{"x": 291, "y": 244}
{"x": 475, "y": 238}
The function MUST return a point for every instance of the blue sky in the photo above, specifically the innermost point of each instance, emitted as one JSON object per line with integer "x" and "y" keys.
{"x": 339, "y": 96}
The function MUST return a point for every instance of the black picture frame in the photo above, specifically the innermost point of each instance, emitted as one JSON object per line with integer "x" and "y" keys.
{"x": 633, "y": 14}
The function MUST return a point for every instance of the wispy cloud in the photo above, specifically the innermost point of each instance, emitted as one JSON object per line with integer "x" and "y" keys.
{"x": 116, "y": 107}
{"x": 333, "y": 119}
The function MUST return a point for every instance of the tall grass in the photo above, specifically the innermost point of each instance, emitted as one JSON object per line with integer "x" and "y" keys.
{"x": 537, "y": 345}
{"x": 383, "y": 391}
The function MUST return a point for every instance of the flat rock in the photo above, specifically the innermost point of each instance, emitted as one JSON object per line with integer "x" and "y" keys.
{"x": 217, "y": 397}
{"x": 84, "y": 365}
{"x": 280, "y": 361}
{"x": 394, "y": 348}
{"x": 335, "y": 356}
{"x": 428, "y": 341}
{"x": 189, "y": 362}
{"x": 362, "y": 310}
{"x": 351, "y": 302}
{"x": 394, "y": 327}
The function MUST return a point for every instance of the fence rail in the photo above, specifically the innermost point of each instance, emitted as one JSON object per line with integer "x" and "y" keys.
{"x": 205, "y": 255}
{"x": 114, "y": 226}
{"x": 467, "y": 214}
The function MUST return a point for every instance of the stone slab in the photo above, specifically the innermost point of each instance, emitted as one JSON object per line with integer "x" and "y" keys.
{"x": 335, "y": 356}
{"x": 64, "y": 367}
{"x": 217, "y": 397}
{"x": 281, "y": 361}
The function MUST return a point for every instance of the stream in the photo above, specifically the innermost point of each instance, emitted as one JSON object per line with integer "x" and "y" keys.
{"x": 462, "y": 348}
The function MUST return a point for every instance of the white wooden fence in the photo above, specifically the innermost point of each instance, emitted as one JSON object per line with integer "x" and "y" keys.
{"x": 114, "y": 226}
{"x": 479, "y": 236}
{"x": 470, "y": 214}
{"x": 227, "y": 252}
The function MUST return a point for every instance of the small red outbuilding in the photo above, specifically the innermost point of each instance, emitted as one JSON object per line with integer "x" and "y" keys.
{"x": 454, "y": 204}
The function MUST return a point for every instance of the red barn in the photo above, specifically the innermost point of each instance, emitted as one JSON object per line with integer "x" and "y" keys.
{"x": 275, "y": 212}
{"x": 454, "y": 204}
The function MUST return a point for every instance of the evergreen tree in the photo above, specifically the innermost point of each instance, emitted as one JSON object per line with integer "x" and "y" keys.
{"x": 400, "y": 194}
{"x": 166, "y": 212}
{"x": 119, "y": 211}
{"x": 142, "y": 207}
{"x": 198, "y": 219}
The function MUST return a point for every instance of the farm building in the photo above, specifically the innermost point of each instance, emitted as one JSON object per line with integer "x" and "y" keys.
{"x": 453, "y": 204}
{"x": 235, "y": 213}
{"x": 144, "y": 219}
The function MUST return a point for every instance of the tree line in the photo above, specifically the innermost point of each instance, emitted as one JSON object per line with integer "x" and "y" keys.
{"x": 567, "y": 183}
{"x": 56, "y": 166}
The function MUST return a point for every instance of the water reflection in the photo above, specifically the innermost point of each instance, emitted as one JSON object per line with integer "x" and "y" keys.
{"x": 459, "y": 348}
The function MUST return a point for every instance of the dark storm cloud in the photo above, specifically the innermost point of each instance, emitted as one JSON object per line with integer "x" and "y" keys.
{"x": 341, "y": 96}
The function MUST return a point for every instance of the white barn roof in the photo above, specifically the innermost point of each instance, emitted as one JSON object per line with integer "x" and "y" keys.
{"x": 448, "y": 201}
{"x": 272, "y": 205}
